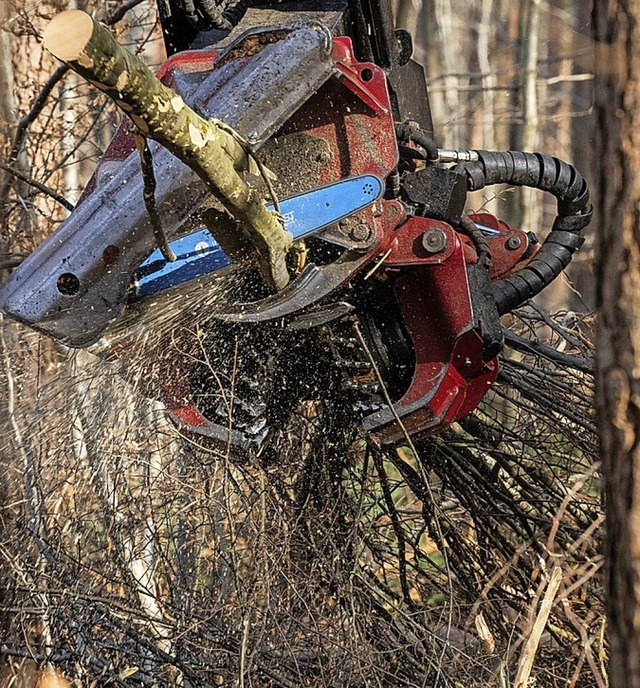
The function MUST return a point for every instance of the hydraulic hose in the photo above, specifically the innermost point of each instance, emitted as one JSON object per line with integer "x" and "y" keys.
{"x": 405, "y": 132}
{"x": 559, "y": 178}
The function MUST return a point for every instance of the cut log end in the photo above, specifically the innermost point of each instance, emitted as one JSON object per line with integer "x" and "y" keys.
{"x": 67, "y": 35}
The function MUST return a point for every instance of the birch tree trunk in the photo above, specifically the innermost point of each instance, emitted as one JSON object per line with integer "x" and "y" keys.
{"x": 487, "y": 112}
{"x": 530, "y": 211}
{"x": 7, "y": 106}
{"x": 616, "y": 26}
{"x": 68, "y": 98}
{"x": 7, "y": 120}
{"x": 447, "y": 38}
{"x": 7, "y": 86}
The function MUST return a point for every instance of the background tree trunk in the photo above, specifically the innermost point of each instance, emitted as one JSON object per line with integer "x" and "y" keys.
{"x": 616, "y": 28}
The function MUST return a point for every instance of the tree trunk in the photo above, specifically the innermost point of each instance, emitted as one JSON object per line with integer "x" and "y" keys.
{"x": 616, "y": 26}
{"x": 7, "y": 111}
{"x": 7, "y": 120}
{"x": 530, "y": 208}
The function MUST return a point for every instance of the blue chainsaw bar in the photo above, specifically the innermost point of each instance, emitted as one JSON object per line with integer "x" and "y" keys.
{"x": 199, "y": 253}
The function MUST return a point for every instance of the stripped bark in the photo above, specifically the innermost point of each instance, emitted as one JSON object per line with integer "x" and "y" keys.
{"x": 533, "y": 641}
{"x": 207, "y": 146}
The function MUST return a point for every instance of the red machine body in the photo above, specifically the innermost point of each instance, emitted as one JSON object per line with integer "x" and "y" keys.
{"x": 351, "y": 115}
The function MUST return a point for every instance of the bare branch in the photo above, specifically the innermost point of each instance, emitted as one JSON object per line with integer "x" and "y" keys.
{"x": 38, "y": 185}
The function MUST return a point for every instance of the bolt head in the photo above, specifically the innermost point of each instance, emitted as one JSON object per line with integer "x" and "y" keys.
{"x": 360, "y": 232}
{"x": 434, "y": 240}
{"x": 514, "y": 242}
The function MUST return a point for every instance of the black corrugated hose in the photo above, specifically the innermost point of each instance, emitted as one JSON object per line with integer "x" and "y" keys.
{"x": 544, "y": 172}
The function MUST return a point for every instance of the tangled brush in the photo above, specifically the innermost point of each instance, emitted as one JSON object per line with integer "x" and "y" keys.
{"x": 134, "y": 556}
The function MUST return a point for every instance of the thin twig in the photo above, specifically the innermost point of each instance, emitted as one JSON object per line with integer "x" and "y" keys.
{"x": 38, "y": 185}
{"x": 531, "y": 346}
{"x": 11, "y": 260}
{"x": 530, "y": 649}
{"x": 395, "y": 521}
{"x": 27, "y": 119}
{"x": 118, "y": 12}
{"x": 251, "y": 153}
{"x": 586, "y": 642}
{"x": 149, "y": 195}
{"x": 411, "y": 445}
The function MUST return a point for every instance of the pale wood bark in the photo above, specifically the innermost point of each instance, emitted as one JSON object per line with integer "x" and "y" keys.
{"x": 530, "y": 208}
{"x": 68, "y": 96}
{"x": 7, "y": 85}
{"x": 533, "y": 641}
{"x": 487, "y": 113}
{"x": 452, "y": 65}
{"x": 7, "y": 106}
{"x": 7, "y": 120}
{"x": 207, "y": 146}
{"x": 616, "y": 185}
{"x": 530, "y": 50}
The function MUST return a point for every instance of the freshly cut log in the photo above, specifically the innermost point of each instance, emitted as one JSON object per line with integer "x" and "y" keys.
{"x": 207, "y": 146}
